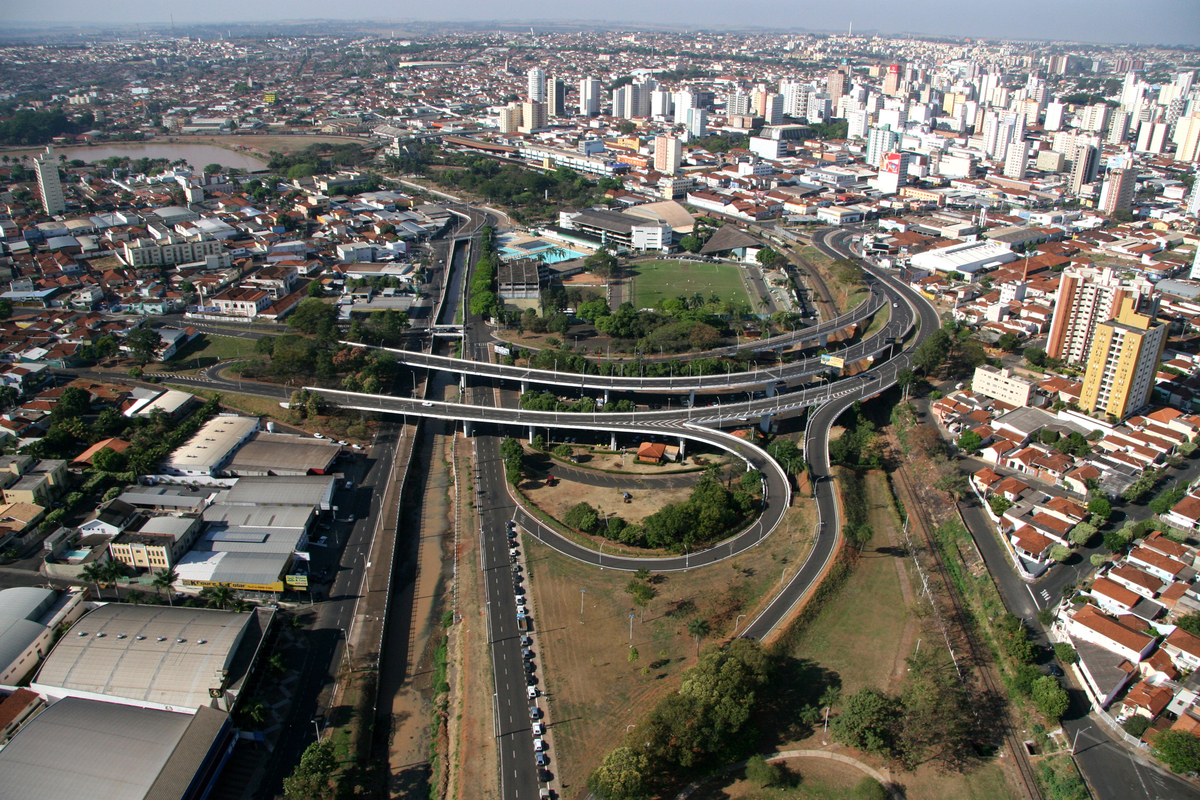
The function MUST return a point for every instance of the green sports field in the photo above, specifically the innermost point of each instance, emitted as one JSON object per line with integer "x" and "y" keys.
{"x": 657, "y": 280}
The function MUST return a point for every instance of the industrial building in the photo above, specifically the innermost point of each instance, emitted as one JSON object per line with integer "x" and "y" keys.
{"x": 966, "y": 257}
{"x": 87, "y": 748}
{"x": 283, "y": 454}
{"x": 160, "y": 657}
{"x": 211, "y": 447}
{"x": 29, "y": 616}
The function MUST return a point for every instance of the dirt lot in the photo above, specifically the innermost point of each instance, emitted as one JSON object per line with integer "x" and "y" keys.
{"x": 557, "y": 500}
{"x": 593, "y": 689}
{"x": 629, "y": 465}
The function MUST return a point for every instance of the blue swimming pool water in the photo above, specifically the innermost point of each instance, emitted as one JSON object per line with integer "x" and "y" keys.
{"x": 531, "y": 249}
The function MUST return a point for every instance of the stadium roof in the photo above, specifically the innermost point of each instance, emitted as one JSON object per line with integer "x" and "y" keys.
{"x": 92, "y": 749}
{"x": 150, "y": 656}
{"x": 729, "y": 237}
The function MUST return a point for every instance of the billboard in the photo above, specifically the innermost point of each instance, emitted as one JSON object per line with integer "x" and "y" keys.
{"x": 832, "y": 361}
{"x": 297, "y": 581}
{"x": 502, "y": 350}
{"x": 892, "y": 163}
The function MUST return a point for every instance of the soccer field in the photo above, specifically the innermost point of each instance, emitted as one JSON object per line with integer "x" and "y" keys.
{"x": 657, "y": 280}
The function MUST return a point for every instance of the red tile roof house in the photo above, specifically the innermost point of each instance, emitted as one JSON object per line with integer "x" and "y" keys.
{"x": 1135, "y": 580}
{"x": 1185, "y": 514}
{"x": 1109, "y": 651}
{"x": 1031, "y": 543}
{"x": 1184, "y": 649}
{"x": 1114, "y": 598}
{"x": 1145, "y": 700}
{"x": 1160, "y": 566}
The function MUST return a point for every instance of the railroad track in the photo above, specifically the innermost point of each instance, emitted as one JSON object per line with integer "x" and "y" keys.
{"x": 975, "y": 648}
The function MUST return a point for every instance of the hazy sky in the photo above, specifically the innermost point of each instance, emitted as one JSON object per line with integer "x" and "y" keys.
{"x": 1146, "y": 21}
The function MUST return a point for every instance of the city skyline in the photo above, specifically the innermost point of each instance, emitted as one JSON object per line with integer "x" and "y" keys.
{"x": 1170, "y": 22}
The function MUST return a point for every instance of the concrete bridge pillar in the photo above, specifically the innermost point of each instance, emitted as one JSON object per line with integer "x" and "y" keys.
{"x": 462, "y": 381}
{"x": 692, "y": 398}
{"x": 606, "y": 395}
{"x": 824, "y": 340}
{"x": 524, "y": 387}
{"x": 682, "y": 448}
{"x": 531, "y": 434}
{"x": 771, "y": 389}
{"x": 764, "y": 423}
{"x": 612, "y": 442}
{"x": 468, "y": 428}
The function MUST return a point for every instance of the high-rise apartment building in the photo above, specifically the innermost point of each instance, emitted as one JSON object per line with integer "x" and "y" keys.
{"x": 510, "y": 118}
{"x": 683, "y": 100}
{"x": 891, "y": 80}
{"x": 662, "y": 103}
{"x": 1187, "y": 138}
{"x": 48, "y": 184}
{"x": 1086, "y": 297}
{"x": 668, "y": 154}
{"x": 1124, "y": 359}
{"x": 835, "y": 83}
{"x": 1015, "y": 161}
{"x": 1117, "y": 194}
{"x": 1054, "y": 116}
{"x": 1084, "y": 164}
{"x": 881, "y": 139}
{"x": 533, "y": 116}
{"x": 537, "y": 85}
{"x": 589, "y": 97}
{"x": 697, "y": 122}
{"x": 738, "y": 103}
{"x": 1095, "y": 117}
{"x": 556, "y": 97}
{"x": 773, "y": 108}
{"x": 795, "y": 98}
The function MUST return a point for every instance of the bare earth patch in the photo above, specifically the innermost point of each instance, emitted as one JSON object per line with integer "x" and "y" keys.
{"x": 594, "y": 691}
{"x": 557, "y": 500}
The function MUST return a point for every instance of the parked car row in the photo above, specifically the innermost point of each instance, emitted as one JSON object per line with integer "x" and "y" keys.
{"x": 540, "y": 746}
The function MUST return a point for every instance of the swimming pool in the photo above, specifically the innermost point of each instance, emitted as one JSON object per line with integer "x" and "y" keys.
{"x": 538, "y": 248}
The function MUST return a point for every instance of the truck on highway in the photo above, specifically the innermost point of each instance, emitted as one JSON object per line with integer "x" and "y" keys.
{"x": 522, "y": 622}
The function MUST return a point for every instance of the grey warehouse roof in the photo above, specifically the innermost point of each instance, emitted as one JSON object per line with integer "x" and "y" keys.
{"x": 106, "y": 751}
{"x": 144, "y": 655}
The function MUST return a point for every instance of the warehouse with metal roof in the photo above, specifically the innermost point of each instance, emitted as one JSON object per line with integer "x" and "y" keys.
{"x": 91, "y": 749}
{"x": 283, "y": 454}
{"x": 173, "y": 659}
{"x": 211, "y": 447}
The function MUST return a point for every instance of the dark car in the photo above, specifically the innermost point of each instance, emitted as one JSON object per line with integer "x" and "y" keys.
{"x": 530, "y": 666}
{"x": 1055, "y": 670}
{"x": 531, "y": 679}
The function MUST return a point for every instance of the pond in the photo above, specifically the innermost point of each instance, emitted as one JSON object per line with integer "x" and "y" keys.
{"x": 198, "y": 155}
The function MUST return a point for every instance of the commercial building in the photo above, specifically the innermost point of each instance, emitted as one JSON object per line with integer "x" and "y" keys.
{"x": 533, "y": 116}
{"x": 1086, "y": 297}
{"x": 1002, "y": 385}
{"x": 553, "y": 157}
{"x": 589, "y": 97}
{"x": 211, "y": 447}
{"x": 965, "y": 257}
{"x": 519, "y": 279}
{"x": 48, "y": 183}
{"x": 175, "y": 249}
{"x": 88, "y": 748}
{"x": 881, "y": 139}
{"x": 614, "y": 228}
{"x": 1123, "y": 361}
{"x": 29, "y": 621}
{"x": 162, "y": 657}
{"x": 157, "y": 544}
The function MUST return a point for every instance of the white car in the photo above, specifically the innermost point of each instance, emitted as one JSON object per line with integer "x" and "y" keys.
{"x": 427, "y": 404}
{"x": 539, "y": 729}
{"x": 356, "y": 446}
{"x": 539, "y": 745}
{"x": 531, "y": 693}
{"x": 343, "y": 444}
{"x": 318, "y": 436}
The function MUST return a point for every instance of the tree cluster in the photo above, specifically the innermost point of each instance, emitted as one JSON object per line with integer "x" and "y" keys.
{"x": 513, "y": 455}
{"x": 709, "y": 514}
{"x": 28, "y": 127}
{"x": 928, "y": 721}
{"x": 858, "y": 447}
{"x": 707, "y": 723}
{"x": 310, "y": 779}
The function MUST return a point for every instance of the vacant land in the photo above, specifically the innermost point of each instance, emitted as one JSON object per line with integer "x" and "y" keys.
{"x": 653, "y": 281}
{"x": 594, "y": 691}
{"x": 871, "y": 613}
{"x": 846, "y": 293}
{"x": 204, "y": 351}
{"x": 557, "y": 500}
{"x": 807, "y": 779}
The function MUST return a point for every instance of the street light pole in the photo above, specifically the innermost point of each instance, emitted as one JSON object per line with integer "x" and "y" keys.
{"x": 582, "y": 592}
{"x": 736, "y": 621}
{"x": 631, "y": 616}
{"x": 1075, "y": 740}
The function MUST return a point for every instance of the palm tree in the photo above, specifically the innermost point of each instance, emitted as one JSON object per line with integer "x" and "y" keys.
{"x": 698, "y": 628}
{"x": 163, "y": 580}
{"x": 218, "y": 596}
{"x": 135, "y": 596}
{"x": 93, "y": 573}
{"x": 113, "y": 571}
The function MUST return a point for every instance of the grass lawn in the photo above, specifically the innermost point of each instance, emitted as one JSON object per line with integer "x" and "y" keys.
{"x": 251, "y": 404}
{"x": 659, "y": 280}
{"x": 869, "y": 614}
{"x": 204, "y": 351}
